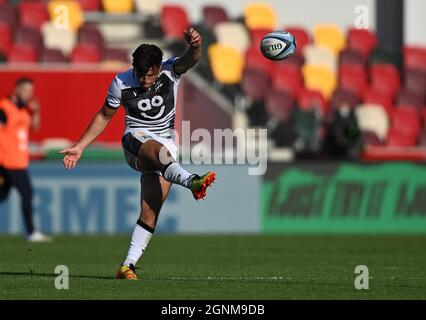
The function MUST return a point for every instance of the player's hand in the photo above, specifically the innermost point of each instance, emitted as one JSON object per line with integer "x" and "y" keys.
{"x": 192, "y": 37}
{"x": 34, "y": 106}
{"x": 72, "y": 155}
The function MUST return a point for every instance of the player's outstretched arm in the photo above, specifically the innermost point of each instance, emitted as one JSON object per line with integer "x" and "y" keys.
{"x": 95, "y": 128}
{"x": 191, "y": 55}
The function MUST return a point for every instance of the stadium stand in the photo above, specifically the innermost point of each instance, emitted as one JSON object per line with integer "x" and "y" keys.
{"x": 331, "y": 67}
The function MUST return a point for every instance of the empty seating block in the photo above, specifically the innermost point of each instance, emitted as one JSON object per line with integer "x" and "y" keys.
{"x": 260, "y": 15}
{"x": 66, "y": 14}
{"x": 227, "y": 63}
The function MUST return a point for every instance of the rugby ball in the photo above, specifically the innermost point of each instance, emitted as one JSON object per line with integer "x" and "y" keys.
{"x": 278, "y": 45}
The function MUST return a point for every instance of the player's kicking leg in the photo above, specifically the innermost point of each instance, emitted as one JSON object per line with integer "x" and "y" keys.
{"x": 155, "y": 190}
{"x": 154, "y": 156}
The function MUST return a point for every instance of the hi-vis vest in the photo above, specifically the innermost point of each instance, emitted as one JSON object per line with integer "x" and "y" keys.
{"x": 14, "y": 136}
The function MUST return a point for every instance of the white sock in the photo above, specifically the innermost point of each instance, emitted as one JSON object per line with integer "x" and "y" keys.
{"x": 140, "y": 239}
{"x": 176, "y": 174}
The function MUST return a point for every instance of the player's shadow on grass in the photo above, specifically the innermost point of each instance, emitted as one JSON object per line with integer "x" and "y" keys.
{"x": 38, "y": 274}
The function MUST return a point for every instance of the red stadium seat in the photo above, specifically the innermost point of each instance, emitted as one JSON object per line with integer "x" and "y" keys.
{"x": 354, "y": 70}
{"x": 312, "y": 99}
{"x": 213, "y": 15}
{"x": 174, "y": 20}
{"x": 406, "y": 121}
{"x": 409, "y": 98}
{"x": 396, "y": 139}
{"x": 288, "y": 78}
{"x": 113, "y": 54}
{"x": 415, "y": 58}
{"x": 22, "y": 52}
{"x": 385, "y": 78}
{"x": 301, "y": 35}
{"x": 361, "y": 40}
{"x": 415, "y": 81}
{"x": 422, "y": 138}
{"x": 255, "y": 60}
{"x": 9, "y": 15}
{"x": 423, "y": 115}
{"x": 279, "y": 105}
{"x": 53, "y": 56}
{"x": 85, "y": 53}
{"x": 380, "y": 98}
{"x": 90, "y": 35}
{"x": 90, "y": 5}
{"x": 31, "y": 36}
{"x": 297, "y": 60}
{"x": 5, "y": 38}
{"x": 33, "y": 14}
{"x": 350, "y": 56}
{"x": 406, "y": 127}
{"x": 256, "y": 36}
{"x": 353, "y": 77}
{"x": 255, "y": 84}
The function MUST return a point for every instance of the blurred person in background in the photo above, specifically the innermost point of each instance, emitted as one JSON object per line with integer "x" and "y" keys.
{"x": 19, "y": 113}
{"x": 343, "y": 140}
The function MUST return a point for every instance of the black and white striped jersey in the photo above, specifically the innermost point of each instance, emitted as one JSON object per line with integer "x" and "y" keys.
{"x": 153, "y": 109}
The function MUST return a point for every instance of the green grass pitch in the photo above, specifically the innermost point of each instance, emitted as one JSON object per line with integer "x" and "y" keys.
{"x": 217, "y": 267}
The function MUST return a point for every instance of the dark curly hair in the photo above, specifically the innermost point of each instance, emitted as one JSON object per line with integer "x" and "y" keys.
{"x": 146, "y": 56}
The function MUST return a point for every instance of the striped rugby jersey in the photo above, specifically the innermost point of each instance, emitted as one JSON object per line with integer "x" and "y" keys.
{"x": 153, "y": 109}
